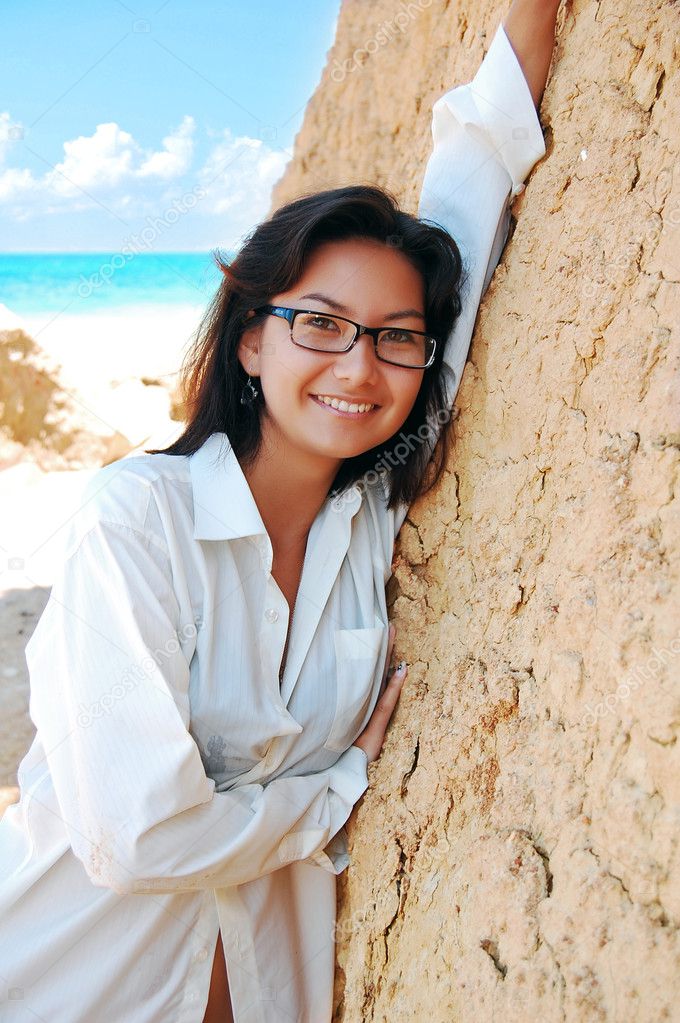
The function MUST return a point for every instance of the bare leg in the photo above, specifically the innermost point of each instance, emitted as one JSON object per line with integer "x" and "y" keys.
{"x": 218, "y": 1009}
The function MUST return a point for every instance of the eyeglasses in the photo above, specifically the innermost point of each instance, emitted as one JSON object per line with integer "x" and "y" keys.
{"x": 321, "y": 332}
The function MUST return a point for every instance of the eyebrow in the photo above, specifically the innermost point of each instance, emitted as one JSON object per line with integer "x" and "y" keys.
{"x": 400, "y": 314}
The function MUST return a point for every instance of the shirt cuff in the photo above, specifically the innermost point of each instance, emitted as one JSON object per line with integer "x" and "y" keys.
{"x": 349, "y": 777}
{"x": 335, "y": 857}
{"x": 497, "y": 105}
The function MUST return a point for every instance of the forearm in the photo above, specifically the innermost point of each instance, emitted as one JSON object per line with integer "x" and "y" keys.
{"x": 137, "y": 807}
{"x": 530, "y": 28}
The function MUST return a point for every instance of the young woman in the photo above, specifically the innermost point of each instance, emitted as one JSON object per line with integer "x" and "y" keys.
{"x": 209, "y": 677}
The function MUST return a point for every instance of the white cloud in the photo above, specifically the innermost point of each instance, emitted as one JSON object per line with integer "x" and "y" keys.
{"x": 105, "y": 162}
{"x": 240, "y": 172}
{"x": 10, "y": 132}
{"x": 15, "y": 182}
{"x": 175, "y": 157}
{"x": 99, "y": 161}
{"x": 236, "y": 177}
{"x": 111, "y": 157}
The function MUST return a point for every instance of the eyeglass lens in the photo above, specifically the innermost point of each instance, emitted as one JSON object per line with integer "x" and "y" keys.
{"x": 328, "y": 334}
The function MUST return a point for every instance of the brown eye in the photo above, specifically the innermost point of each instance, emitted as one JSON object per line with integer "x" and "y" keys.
{"x": 321, "y": 322}
{"x": 399, "y": 336}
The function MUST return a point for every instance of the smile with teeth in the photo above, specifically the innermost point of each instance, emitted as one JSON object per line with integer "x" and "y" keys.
{"x": 344, "y": 406}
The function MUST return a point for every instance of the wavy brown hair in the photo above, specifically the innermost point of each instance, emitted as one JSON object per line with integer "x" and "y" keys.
{"x": 271, "y": 260}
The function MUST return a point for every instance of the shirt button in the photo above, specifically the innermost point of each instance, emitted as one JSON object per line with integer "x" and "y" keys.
{"x": 271, "y": 614}
{"x": 202, "y": 954}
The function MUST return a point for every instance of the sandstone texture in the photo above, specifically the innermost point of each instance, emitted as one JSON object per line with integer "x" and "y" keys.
{"x": 516, "y": 855}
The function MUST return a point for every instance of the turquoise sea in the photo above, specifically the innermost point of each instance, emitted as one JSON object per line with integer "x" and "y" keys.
{"x": 94, "y": 282}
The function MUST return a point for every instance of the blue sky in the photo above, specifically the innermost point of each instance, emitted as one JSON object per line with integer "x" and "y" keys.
{"x": 159, "y": 126}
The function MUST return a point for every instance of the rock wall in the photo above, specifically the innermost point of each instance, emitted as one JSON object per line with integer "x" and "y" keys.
{"x": 516, "y": 855}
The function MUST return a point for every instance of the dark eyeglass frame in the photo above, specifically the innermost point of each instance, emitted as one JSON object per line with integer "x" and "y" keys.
{"x": 287, "y": 313}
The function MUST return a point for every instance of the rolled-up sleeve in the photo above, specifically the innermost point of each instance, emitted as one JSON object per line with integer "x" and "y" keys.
{"x": 109, "y": 697}
{"x": 486, "y": 139}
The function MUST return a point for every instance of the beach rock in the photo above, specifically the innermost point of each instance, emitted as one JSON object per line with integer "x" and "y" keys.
{"x": 516, "y": 855}
{"x": 61, "y": 426}
{"x": 41, "y": 419}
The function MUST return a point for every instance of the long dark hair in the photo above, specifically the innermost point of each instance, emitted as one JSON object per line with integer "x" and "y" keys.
{"x": 271, "y": 260}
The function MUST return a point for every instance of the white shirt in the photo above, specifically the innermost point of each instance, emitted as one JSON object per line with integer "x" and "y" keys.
{"x": 173, "y": 789}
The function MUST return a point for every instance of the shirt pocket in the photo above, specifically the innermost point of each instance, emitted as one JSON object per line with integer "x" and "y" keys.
{"x": 359, "y": 660}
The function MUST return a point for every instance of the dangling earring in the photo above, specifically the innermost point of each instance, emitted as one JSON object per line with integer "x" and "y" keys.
{"x": 248, "y": 392}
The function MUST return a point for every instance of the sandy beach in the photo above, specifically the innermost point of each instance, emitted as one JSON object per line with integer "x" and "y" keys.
{"x": 103, "y": 349}
{"x": 115, "y": 373}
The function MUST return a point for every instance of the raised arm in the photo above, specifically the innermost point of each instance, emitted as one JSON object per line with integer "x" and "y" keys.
{"x": 487, "y": 138}
{"x": 530, "y": 27}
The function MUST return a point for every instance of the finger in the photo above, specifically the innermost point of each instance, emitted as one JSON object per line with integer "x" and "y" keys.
{"x": 398, "y": 675}
{"x": 388, "y": 700}
{"x": 394, "y": 671}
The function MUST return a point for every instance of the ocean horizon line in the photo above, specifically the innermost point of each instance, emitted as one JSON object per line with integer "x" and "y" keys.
{"x": 87, "y": 282}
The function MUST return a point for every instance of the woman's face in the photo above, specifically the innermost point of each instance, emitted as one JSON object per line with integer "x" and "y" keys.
{"x": 370, "y": 281}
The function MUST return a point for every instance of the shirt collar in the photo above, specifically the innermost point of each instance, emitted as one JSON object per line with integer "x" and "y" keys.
{"x": 224, "y": 506}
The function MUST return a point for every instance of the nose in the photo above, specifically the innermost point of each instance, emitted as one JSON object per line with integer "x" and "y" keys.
{"x": 360, "y": 363}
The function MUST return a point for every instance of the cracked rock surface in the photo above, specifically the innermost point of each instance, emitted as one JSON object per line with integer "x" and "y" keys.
{"x": 516, "y": 855}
